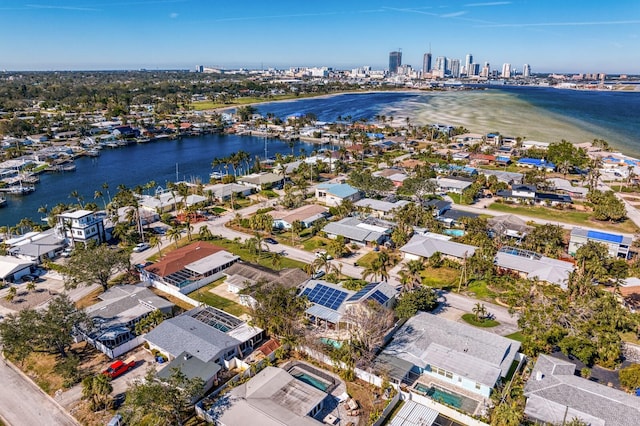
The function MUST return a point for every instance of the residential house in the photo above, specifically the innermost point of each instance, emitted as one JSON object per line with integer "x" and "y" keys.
{"x": 423, "y": 247}
{"x": 116, "y": 315}
{"x": 80, "y": 226}
{"x": 555, "y": 394}
{"x": 36, "y": 246}
{"x": 188, "y": 268}
{"x": 379, "y": 208}
{"x": 509, "y": 226}
{"x": 617, "y": 245}
{"x": 260, "y": 181}
{"x": 565, "y": 187}
{"x": 528, "y": 194}
{"x": 439, "y": 207}
{"x": 370, "y": 231}
{"x": 210, "y": 335}
{"x": 529, "y": 264}
{"x": 330, "y": 303}
{"x": 536, "y": 163}
{"x": 307, "y": 215}
{"x": 273, "y": 397}
{"x": 242, "y": 277}
{"x": 509, "y": 178}
{"x": 223, "y": 192}
{"x": 457, "y": 185}
{"x": 453, "y": 353}
{"x": 480, "y": 158}
{"x": 161, "y": 202}
{"x": 333, "y": 194}
{"x": 455, "y": 217}
{"x": 12, "y": 269}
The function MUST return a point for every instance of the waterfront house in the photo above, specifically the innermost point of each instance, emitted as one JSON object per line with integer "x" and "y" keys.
{"x": 115, "y": 317}
{"x": 80, "y": 226}
{"x": 188, "y": 268}
{"x": 162, "y": 202}
{"x": 273, "y": 397}
{"x": 454, "y": 353}
{"x": 333, "y": 194}
{"x": 565, "y": 187}
{"x": 556, "y": 394}
{"x": 307, "y": 215}
{"x": 531, "y": 265}
{"x": 243, "y": 277}
{"x": 370, "y": 231}
{"x": 617, "y": 245}
{"x": 210, "y": 335}
{"x": 12, "y": 269}
{"x": 423, "y": 247}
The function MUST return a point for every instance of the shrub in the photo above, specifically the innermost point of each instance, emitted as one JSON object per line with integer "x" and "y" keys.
{"x": 630, "y": 376}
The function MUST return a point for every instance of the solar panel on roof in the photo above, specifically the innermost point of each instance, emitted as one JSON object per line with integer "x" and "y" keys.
{"x": 366, "y": 289}
{"x": 326, "y": 296}
{"x": 603, "y": 236}
{"x": 379, "y": 297}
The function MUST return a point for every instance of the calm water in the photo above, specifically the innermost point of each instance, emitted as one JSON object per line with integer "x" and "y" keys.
{"x": 136, "y": 165}
{"x": 537, "y": 113}
{"x": 542, "y": 114}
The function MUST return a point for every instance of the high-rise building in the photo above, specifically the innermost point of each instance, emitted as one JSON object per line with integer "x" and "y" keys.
{"x": 441, "y": 64}
{"x": 526, "y": 70}
{"x": 468, "y": 61}
{"x": 486, "y": 70}
{"x": 454, "y": 68}
{"x": 506, "y": 71}
{"x": 395, "y": 60}
{"x": 199, "y": 68}
{"x": 426, "y": 63}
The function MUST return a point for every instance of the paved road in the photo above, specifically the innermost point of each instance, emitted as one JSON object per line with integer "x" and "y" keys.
{"x": 22, "y": 403}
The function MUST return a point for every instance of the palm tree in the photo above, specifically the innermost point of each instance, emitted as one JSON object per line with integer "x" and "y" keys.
{"x": 31, "y": 286}
{"x": 205, "y": 233}
{"x": 412, "y": 273}
{"x": 157, "y": 243}
{"x": 97, "y": 390}
{"x": 11, "y": 294}
{"x": 276, "y": 261}
{"x": 75, "y": 194}
{"x": 322, "y": 262}
{"x": 479, "y": 311}
{"x": 174, "y": 234}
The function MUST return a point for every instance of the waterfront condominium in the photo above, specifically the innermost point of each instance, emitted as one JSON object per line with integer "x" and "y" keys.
{"x": 395, "y": 60}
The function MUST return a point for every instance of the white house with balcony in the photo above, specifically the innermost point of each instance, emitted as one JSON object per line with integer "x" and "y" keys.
{"x": 80, "y": 226}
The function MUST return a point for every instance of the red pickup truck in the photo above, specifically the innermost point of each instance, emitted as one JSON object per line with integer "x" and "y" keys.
{"x": 120, "y": 367}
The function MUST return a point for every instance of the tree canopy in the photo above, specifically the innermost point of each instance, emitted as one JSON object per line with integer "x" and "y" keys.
{"x": 94, "y": 265}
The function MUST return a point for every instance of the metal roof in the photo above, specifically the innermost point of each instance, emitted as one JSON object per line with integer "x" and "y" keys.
{"x": 413, "y": 414}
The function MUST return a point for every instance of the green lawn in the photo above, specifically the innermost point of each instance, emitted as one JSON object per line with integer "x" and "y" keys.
{"x": 444, "y": 277}
{"x": 479, "y": 288}
{"x": 487, "y": 323}
{"x": 567, "y": 216}
{"x": 455, "y": 197}
{"x": 205, "y": 296}
{"x": 518, "y": 336}
{"x": 314, "y": 243}
{"x": 264, "y": 260}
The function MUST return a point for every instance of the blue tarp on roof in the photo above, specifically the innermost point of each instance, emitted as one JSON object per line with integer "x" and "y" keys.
{"x": 375, "y": 135}
{"x": 536, "y": 162}
{"x": 603, "y": 236}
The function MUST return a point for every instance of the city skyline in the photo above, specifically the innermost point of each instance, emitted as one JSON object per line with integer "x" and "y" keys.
{"x": 159, "y": 34}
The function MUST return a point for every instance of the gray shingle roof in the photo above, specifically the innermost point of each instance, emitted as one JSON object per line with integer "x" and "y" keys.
{"x": 186, "y": 334}
{"x": 191, "y": 367}
{"x": 553, "y": 392}
{"x": 424, "y": 246}
{"x": 472, "y": 352}
{"x": 545, "y": 269}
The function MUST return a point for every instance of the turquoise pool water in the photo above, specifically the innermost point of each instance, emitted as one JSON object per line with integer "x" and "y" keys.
{"x": 440, "y": 395}
{"x": 336, "y": 344}
{"x": 310, "y": 380}
{"x": 454, "y": 232}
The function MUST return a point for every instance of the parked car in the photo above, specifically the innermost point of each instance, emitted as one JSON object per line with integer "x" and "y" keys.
{"x": 270, "y": 241}
{"x": 318, "y": 275}
{"x": 141, "y": 247}
{"x": 67, "y": 252}
{"x": 120, "y": 367}
{"x": 116, "y": 421}
{"x": 323, "y": 253}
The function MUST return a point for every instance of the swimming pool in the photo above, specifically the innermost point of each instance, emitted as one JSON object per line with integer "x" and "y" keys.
{"x": 310, "y": 378}
{"x": 454, "y": 232}
{"x": 449, "y": 398}
{"x": 335, "y": 343}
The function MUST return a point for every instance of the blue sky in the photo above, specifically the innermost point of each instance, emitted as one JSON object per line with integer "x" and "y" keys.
{"x": 560, "y": 35}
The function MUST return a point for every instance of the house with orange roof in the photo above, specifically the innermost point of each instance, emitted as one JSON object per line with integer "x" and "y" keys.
{"x": 188, "y": 268}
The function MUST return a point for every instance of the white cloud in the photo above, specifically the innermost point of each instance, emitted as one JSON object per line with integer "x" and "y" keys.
{"x": 173, "y": 15}
{"x": 454, "y": 14}
{"x": 493, "y": 3}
